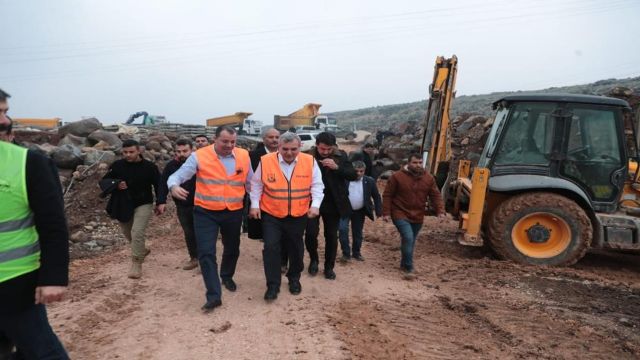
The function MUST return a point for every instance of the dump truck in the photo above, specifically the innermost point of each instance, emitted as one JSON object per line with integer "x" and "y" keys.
{"x": 50, "y": 123}
{"x": 558, "y": 175}
{"x": 307, "y": 116}
{"x": 239, "y": 121}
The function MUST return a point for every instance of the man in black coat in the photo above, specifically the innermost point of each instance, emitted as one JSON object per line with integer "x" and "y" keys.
{"x": 336, "y": 171}
{"x": 184, "y": 208}
{"x": 361, "y": 191}
{"x": 137, "y": 176}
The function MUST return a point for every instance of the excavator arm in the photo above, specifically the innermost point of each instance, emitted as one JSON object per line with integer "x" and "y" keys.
{"x": 436, "y": 140}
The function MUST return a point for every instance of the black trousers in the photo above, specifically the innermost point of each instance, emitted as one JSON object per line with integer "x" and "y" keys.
{"x": 277, "y": 232}
{"x": 185, "y": 217}
{"x": 330, "y": 222}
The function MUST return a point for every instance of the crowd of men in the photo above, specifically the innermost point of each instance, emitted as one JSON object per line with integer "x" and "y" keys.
{"x": 283, "y": 191}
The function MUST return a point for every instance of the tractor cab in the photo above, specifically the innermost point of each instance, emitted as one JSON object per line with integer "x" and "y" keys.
{"x": 557, "y": 176}
{"x": 569, "y": 143}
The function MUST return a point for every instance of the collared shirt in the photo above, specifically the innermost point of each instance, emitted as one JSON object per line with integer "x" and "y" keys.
{"x": 356, "y": 194}
{"x": 317, "y": 187}
{"x": 190, "y": 167}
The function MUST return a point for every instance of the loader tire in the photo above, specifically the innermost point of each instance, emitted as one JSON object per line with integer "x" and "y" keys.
{"x": 540, "y": 229}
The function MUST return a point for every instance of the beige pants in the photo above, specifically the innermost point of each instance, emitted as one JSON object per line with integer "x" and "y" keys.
{"x": 134, "y": 230}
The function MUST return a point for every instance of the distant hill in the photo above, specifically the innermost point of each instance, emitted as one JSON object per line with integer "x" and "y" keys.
{"x": 384, "y": 116}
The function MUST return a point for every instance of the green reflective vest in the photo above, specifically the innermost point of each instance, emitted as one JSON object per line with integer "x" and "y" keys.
{"x": 19, "y": 246}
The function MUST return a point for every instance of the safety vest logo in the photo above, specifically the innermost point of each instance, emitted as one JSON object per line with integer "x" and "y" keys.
{"x": 271, "y": 178}
{"x": 4, "y": 185}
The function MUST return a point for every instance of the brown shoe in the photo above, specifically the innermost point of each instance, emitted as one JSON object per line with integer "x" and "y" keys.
{"x": 190, "y": 265}
{"x": 136, "y": 270}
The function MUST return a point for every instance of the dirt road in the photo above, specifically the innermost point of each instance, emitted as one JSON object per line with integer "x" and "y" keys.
{"x": 462, "y": 303}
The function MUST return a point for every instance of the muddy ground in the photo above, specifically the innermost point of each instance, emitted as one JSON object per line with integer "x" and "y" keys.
{"x": 461, "y": 303}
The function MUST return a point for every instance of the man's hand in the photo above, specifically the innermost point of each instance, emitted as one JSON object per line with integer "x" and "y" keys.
{"x": 254, "y": 213}
{"x": 179, "y": 193}
{"x": 313, "y": 212}
{"x": 49, "y": 294}
{"x": 329, "y": 163}
{"x": 159, "y": 210}
{"x": 122, "y": 185}
{"x": 385, "y": 218}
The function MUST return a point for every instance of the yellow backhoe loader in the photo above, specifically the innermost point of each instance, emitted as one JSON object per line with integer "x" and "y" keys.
{"x": 558, "y": 174}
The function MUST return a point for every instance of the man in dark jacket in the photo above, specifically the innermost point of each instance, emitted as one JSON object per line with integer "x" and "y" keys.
{"x": 137, "y": 176}
{"x": 34, "y": 243}
{"x": 184, "y": 208}
{"x": 404, "y": 199}
{"x": 336, "y": 171}
{"x": 361, "y": 191}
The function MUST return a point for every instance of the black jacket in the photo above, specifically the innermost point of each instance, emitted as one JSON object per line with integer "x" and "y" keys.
{"x": 190, "y": 185}
{"x": 256, "y": 154}
{"x": 336, "y": 197}
{"x": 120, "y": 206}
{"x": 370, "y": 191}
{"x": 140, "y": 177}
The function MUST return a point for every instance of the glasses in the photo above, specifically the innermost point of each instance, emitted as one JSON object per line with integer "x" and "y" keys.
{"x": 5, "y": 128}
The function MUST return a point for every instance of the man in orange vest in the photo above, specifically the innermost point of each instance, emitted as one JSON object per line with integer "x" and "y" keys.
{"x": 222, "y": 171}
{"x": 286, "y": 189}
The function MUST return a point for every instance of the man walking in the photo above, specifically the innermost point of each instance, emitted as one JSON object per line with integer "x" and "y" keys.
{"x": 269, "y": 145}
{"x": 361, "y": 191}
{"x": 336, "y": 171}
{"x": 137, "y": 176}
{"x": 286, "y": 189}
{"x": 222, "y": 171}
{"x": 404, "y": 199}
{"x": 184, "y": 208}
{"x": 34, "y": 247}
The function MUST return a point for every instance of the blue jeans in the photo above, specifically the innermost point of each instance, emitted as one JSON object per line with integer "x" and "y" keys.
{"x": 206, "y": 224}
{"x": 32, "y": 335}
{"x": 357, "y": 223}
{"x": 408, "y": 232}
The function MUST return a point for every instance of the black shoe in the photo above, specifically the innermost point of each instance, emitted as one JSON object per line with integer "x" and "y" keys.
{"x": 271, "y": 294}
{"x": 345, "y": 258}
{"x": 294, "y": 287}
{"x": 229, "y": 284}
{"x": 313, "y": 267}
{"x": 210, "y": 305}
{"x": 358, "y": 257}
{"x": 329, "y": 274}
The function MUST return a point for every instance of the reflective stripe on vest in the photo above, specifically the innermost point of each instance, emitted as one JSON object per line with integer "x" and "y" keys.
{"x": 20, "y": 252}
{"x": 282, "y": 197}
{"x": 13, "y": 225}
{"x": 19, "y": 246}
{"x": 215, "y": 190}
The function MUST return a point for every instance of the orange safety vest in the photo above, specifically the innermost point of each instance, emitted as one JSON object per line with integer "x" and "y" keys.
{"x": 214, "y": 189}
{"x": 282, "y": 197}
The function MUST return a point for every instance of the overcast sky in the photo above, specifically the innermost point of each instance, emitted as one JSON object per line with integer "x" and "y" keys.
{"x": 192, "y": 60}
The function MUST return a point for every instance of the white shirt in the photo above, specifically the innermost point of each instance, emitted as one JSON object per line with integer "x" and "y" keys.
{"x": 356, "y": 194}
{"x": 317, "y": 186}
